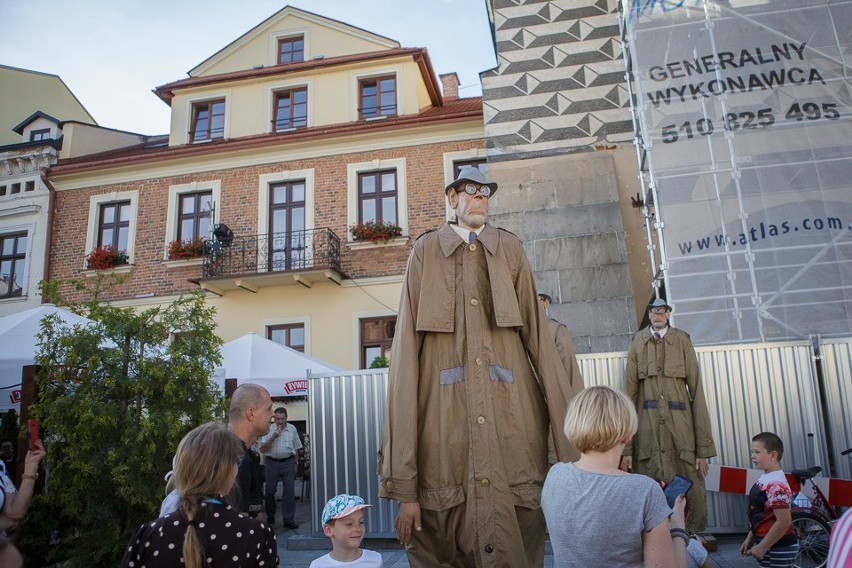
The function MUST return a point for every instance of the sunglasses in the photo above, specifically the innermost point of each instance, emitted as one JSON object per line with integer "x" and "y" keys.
{"x": 471, "y": 189}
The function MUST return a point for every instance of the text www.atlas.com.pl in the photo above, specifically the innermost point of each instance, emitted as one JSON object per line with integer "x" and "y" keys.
{"x": 763, "y": 231}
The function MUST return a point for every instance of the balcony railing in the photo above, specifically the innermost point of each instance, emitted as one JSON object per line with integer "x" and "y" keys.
{"x": 292, "y": 251}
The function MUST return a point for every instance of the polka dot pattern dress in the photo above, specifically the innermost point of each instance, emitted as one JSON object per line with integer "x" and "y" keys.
{"x": 229, "y": 539}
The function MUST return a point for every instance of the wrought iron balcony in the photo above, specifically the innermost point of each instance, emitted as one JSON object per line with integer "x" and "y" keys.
{"x": 301, "y": 257}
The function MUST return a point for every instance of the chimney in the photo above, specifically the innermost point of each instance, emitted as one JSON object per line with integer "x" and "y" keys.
{"x": 450, "y": 84}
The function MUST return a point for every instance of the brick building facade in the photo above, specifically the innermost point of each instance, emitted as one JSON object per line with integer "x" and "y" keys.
{"x": 287, "y": 156}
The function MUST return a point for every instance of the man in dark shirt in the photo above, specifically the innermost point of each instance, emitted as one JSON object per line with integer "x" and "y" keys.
{"x": 249, "y": 417}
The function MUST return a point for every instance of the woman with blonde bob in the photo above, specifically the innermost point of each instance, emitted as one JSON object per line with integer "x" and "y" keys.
{"x": 598, "y": 515}
{"x": 205, "y": 531}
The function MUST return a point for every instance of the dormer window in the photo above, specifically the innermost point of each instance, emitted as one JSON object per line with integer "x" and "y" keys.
{"x": 377, "y": 97}
{"x": 208, "y": 121}
{"x": 40, "y": 134}
{"x": 291, "y": 49}
{"x": 291, "y": 109}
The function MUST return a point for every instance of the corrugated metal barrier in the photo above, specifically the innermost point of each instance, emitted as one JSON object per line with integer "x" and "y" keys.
{"x": 749, "y": 389}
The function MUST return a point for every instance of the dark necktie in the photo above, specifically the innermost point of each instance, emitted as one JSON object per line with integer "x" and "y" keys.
{"x": 471, "y": 237}
{"x": 657, "y": 336}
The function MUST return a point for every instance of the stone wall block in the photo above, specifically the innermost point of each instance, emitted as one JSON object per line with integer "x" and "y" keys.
{"x": 592, "y": 283}
{"x": 592, "y": 250}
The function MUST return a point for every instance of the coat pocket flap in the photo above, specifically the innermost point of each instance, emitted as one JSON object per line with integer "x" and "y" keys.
{"x": 442, "y": 498}
{"x": 527, "y": 495}
{"x": 687, "y": 456}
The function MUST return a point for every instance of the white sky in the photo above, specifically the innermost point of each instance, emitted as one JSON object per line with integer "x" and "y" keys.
{"x": 112, "y": 53}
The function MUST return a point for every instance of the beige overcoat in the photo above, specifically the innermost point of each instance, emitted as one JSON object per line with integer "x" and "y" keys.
{"x": 475, "y": 383}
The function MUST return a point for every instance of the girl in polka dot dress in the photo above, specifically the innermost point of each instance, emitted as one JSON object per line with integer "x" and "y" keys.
{"x": 205, "y": 531}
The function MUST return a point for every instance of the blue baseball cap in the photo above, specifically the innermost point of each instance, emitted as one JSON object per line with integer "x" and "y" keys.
{"x": 341, "y": 506}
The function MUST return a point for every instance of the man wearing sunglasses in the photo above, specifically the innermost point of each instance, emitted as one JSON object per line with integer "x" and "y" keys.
{"x": 663, "y": 379}
{"x": 475, "y": 383}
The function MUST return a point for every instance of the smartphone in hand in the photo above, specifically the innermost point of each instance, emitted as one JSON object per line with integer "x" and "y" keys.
{"x": 679, "y": 485}
{"x": 32, "y": 426}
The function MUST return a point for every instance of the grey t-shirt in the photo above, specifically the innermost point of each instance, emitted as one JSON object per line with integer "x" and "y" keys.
{"x": 597, "y": 519}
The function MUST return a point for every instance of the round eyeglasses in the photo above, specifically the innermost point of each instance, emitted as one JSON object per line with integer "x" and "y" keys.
{"x": 470, "y": 189}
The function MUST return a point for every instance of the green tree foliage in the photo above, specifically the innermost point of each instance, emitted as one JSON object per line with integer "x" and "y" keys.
{"x": 116, "y": 397}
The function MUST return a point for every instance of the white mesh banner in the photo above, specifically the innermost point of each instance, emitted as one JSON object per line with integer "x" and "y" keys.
{"x": 746, "y": 116}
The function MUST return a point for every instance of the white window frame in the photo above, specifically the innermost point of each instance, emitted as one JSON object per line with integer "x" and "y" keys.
{"x": 175, "y": 193}
{"x": 95, "y": 203}
{"x": 352, "y": 171}
{"x": 29, "y": 229}
{"x": 286, "y": 85}
{"x": 450, "y": 158}
{"x": 277, "y": 35}
{"x": 190, "y": 103}
{"x": 289, "y": 320}
{"x": 355, "y": 91}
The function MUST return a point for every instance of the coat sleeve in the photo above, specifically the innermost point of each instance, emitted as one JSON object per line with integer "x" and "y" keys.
{"x": 704, "y": 446}
{"x": 556, "y": 387}
{"x": 565, "y": 347}
{"x": 398, "y": 456}
{"x": 631, "y": 386}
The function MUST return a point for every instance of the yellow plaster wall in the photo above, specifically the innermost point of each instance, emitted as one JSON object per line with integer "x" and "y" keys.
{"x": 330, "y": 313}
{"x": 81, "y": 139}
{"x": 332, "y": 98}
{"x": 24, "y": 92}
{"x": 259, "y": 47}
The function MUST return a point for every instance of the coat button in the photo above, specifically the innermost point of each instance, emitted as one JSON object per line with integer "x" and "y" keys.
{"x": 489, "y": 548}
{"x": 389, "y": 484}
{"x": 478, "y": 361}
{"x": 485, "y": 482}
{"x": 472, "y": 247}
{"x": 474, "y": 302}
{"x": 481, "y": 420}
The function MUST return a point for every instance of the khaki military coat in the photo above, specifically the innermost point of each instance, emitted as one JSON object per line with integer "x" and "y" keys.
{"x": 663, "y": 379}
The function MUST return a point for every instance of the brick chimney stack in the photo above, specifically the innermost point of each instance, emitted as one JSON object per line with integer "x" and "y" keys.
{"x": 450, "y": 84}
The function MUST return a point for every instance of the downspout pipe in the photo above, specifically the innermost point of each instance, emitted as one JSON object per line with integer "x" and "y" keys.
{"x": 51, "y": 200}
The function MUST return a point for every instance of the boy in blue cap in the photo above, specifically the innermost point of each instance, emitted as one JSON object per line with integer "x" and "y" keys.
{"x": 343, "y": 523}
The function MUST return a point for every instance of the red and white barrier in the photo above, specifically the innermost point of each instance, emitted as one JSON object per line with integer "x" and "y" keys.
{"x": 724, "y": 479}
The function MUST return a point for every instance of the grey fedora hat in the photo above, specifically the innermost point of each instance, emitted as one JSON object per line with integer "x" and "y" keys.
{"x": 659, "y": 303}
{"x": 470, "y": 173}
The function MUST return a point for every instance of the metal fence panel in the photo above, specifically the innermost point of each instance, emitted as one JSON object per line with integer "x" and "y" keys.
{"x": 345, "y": 418}
{"x": 755, "y": 388}
{"x": 837, "y": 373}
{"x": 603, "y": 369}
{"x": 749, "y": 389}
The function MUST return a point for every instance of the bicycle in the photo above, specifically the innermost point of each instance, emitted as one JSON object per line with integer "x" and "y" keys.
{"x": 812, "y": 519}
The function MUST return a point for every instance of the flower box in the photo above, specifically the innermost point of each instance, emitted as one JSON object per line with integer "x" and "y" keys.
{"x": 105, "y": 257}
{"x": 187, "y": 248}
{"x": 375, "y": 231}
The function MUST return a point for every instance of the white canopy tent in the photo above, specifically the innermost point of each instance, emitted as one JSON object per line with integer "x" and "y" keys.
{"x": 18, "y": 345}
{"x": 281, "y": 370}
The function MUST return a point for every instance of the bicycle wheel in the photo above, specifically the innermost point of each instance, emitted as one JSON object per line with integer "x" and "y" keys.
{"x": 813, "y": 534}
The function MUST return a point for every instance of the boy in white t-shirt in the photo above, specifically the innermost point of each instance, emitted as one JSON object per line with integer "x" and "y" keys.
{"x": 771, "y": 538}
{"x": 343, "y": 523}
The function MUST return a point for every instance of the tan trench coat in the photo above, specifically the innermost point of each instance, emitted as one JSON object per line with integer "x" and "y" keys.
{"x": 664, "y": 382}
{"x": 467, "y": 417}
{"x": 567, "y": 354}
